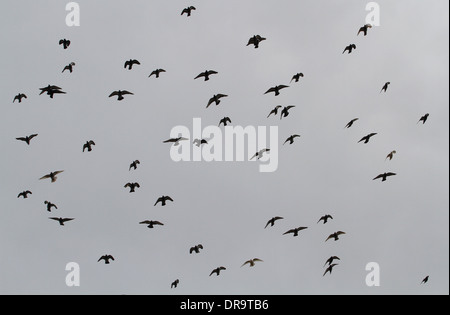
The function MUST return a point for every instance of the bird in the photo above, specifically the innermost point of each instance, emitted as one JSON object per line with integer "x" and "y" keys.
{"x": 424, "y": 119}
{"x": 276, "y": 89}
{"x": 351, "y": 122}
{"x": 120, "y": 94}
{"x": 364, "y": 29}
{"x": 217, "y": 271}
{"x": 331, "y": 260}
{"x": 50, "y": 206}
{"x": 134, "y": 165}
{"x": 19, "y": 97}
{"x": 132, "y": 186}
{"x": 175, "y": 141}
{"x": 196, "y": 249}
{"x": 225, "y": 121}
{"x": 206, "y": 74}
{"x": 199, "y": 142}
{"x": 385, "y": 87}
{"x": 156, "y": 73}
{"x": 62, "y": 220}
{"x": 297, "y": 77}
{"x": 291, "y": 139}
{"x": 188, "y": 10}
{"x": 384, "y": 176}
{"x": 51, "y": 90}
{"x": 175, "y": 284}
{"x": 335, "y": 236}
{"x": 27, "y": 139}
{"x": 163, "y": 200}
{"x": 325, "y": 219}
{"x": 330, "y": 269}
{"x": 255, "y": 40}
{"x": 350, "y": 48}
{"x": 295, "y": 231}
{"x": 151, "y": 224}
{"x": 69, "y": 67}
{"x": 390, "y": 156}
{"x": 272, "y": 221}
{"x": 251, "y": 262}
{"x": 366, "y": 139}
{"x": 24, "y": 194}
{"x": 216, "y": 99}
{"x": 260, "y": 153}
{"x": 130, "y": 63}
{"x": 65, "y": 43}
{"x": 52, "y": 176}
{"x": 425, "y": 280}
{"x": 106, "y": 258}
{"x": 285, "y": 111}
{"x": 275, "y": 111}
{"x": 88, "y": 145}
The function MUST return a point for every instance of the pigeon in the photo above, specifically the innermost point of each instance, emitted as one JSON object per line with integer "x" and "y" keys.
{"x": 19, "y": 97}
{"x": 217, "y": 271}
{"x": 424, "y": 281}
{"x": 151, "y": 224}
{"x": 350, "y": 48}
{"x": 225, "y": 121}
{"x": 272, "y": 221}
{"x": 351, "y": 122}
{"x": 335, "y": 236}
{"x": 27, "y": 139}
{"x": 88, "y": 145}
{"x": 295, "y": 231}
{"x": 120, "y": 94}
{"x": 51, "y": 90}
{"x": 188, "y": 10}
{"x": 69, "y": 67}
{"x": 385, "y": 87}
{"x": 156, "y": 73}
{"x": 259, "y": 154}
{"x": 199, "y": 142}
{"x": 62, "y": 220}
{"x": 424, "y": 119}
{"x": 325, "y": 219}
{"x": 390, "y": 156}
{"x": 206, "y": 74}
{"x": 65, "y": 43}
{"x": 196, "y": 249}
{"x": 384, "y": 176}
{"x": 175, "y": 141}
{"x": 163, "y": 200}
{"x": 106, "y": 258}
{"x": 276, "y": 89}
{"x": 330, "y": 269}
{"x": 251, "y": 262}
{"x": 175, "y": 284}
{"x": 50, "y": 206}
{"x": 132, "y": 186}
{"x": 366, "y": 139}
{"x": 130, "y": 63}
{"x": 297, "y": 77}
{"x": 291, "y": 139}
{"x": 52, "y": 176}
{"x": 331, "y": 260}
{"x": 24, "y": 194}
{"x": 134, "y": 165}
{"x": 275, "y": 111}
{"x": 364, "y": 29}
{"x": 255, "y": 40}
{"x": 216, "y": 99}
{"x": 285, "y": 111}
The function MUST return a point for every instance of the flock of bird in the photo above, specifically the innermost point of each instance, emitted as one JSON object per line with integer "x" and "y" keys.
{"x": 283, "y": 111}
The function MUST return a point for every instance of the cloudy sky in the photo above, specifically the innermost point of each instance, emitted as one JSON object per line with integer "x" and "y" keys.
{"x": 401, "y": 224}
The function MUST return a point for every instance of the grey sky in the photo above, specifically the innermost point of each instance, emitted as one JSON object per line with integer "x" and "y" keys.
{"x": 402, "y": 224}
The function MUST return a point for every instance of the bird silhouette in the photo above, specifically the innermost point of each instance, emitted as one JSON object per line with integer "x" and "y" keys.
{"x": 251, "y": 262}
{"x": 260, "y": 154}
{"x": 52, "y": 176}
{"x": 276, "y": 89}
{"x": 297, "y": 77}
{"x": 151, "y": 224}
{"x": 351, "y": 122}
{"x": 206, "y": 74}
{"x": 120, "y": 94}
{"x": 62, "y": 220}
{"x": 156, "y": 73}
{"x": 175, "y": 141}
{"x": 27, "y": 139}
{"x": 295, "y": 231}
{"x": 132, "y": 186}
{"x": 88, "y": 145}
{"x": 291, "y": 139}
{"x": 364, "y": 29}
{"x": 163, "y": 200}
{"x": 51, "y": 90}
{"x": 24, "y": 194}
{"x": 19, "y": 97}
{"x": 199, "y": 142}
{"x": 366, "y": 139}
{"x": 255, "y": 40}
{"x": 130, "y": 63}
{"x": 335, "y": 236}
{"x": 217, "y": 271}
{"x": 106, "y": 258}
{"x": 275, "y": 111}
{"x": 425, "y": 280}
{"x": 325, "y": 219}
{"x": 65, "y": 43}
{"x": 196, "y": 249}
{"x": 188, "y": 10}
{"x": 384, "y": 176}
{"x": 385, "y": 87}
{"x": 272, "y": 221}
{"x": 424, "y": 119}
{"x": 350, "y": 48}
{"x": 216, "y": 99}
{"x": 330, "y": 269}
{"x": 390, "y": 156}
{"x": 134, "y": 165}
{"x": 331, "y": 260}
{"x": 50, "y": 206}
{"x": 225, "y": 121}
{"x": 285, "y": 111}
{"x": 69, "y": 67}
{"x": 175, "y": 284}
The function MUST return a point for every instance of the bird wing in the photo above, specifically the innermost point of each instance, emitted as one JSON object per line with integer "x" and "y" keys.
{"x": 157, "y": 223}
{"x": 391, "y": 174}
{"x": 115, "y": 93}
{"x": 127, "y": 93}
{"x": 67, "y": 219}
{"x": 330, "y": 237}
{"x": 289, "y": 107}
{"x": 200, "y": 75}
{"x": 45, "y": 177}
{"x": 159, "y": 200}
{"x": 340, "y": 233}
{"x": 32, "y": 136}
{"x": 290, "y": 231}
{"x": 22, "y": 139}
{"x": 272, "y": 89}
{"x": 146, "y": 222}
{"x": 247, "y": 262}
{"x": 212, "y": 72}
{"x": 168, "y": 198}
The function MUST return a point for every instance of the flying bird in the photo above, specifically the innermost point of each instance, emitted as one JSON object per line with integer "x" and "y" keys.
{"x": 259, "y": 154}
{"x": 424, "y": 281}
{"x": 216, "y": 99}
{"x": 331, "y": 260}
{"x": 297, "y": 77}
{"x": 385, "y": 87}
{"x": 19, "y": 97}
{"x": 330, "y": 269}
{"x": 272, "y": 221}
{"x": 325, "y": 219}
{"x": 275, "y": 111}
{"x": 188, "y": 10}
{"x": 335, "y": 236}
{"x": 225, "y": 121}
{"x": 291, "y": 139}
{"x": 285, "y": 111}
{"x": 199, "y": 142}
{"x": 130, "y": 63}
{"x": 366, "y": 139}
{"x": 217, "y": 271}
{"x": 134, "y": 165}
{"x": 132, "y": 186}
{"x": 62, "y": 220}
{"x": 151, "y": 224}
{"x": 350, "y": 48}
{"x": 255, "y": 40}
{"x": 51, "y": 90}
{"x": 88, "y": 145}
{"x": 351, "y": 122}
{"x": 24, "y": 194}
{"x": 276, "y": 89}
{"x": 69, "y": 67}
{"x": 206, "y": 74}
{"x": 384, "y": 176}
{"x": 106, "y": 258}
{"x": 27, "y": 139}
{"x": 424, "y": 119}
{"x": 364, "y": 29}
{"x": 390, "y": 156}
{"x": 175, "y": 284}
{"x": 65, "y": 43}
{"x": 120, "y": 94}
{"x": 175, "y": 141}
{"x": 50, "y": 206}
{"x": 295, "y": 231}
{"x": 52, "y": 176}
{"x": 251, "y": 262}
{"x": 163, "y": 200}
{"x": 196, "y": 249}
{"x": 156, "y": 73}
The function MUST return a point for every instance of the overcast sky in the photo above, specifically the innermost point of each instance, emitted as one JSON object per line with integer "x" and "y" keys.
{"x": 402, "y": 224}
